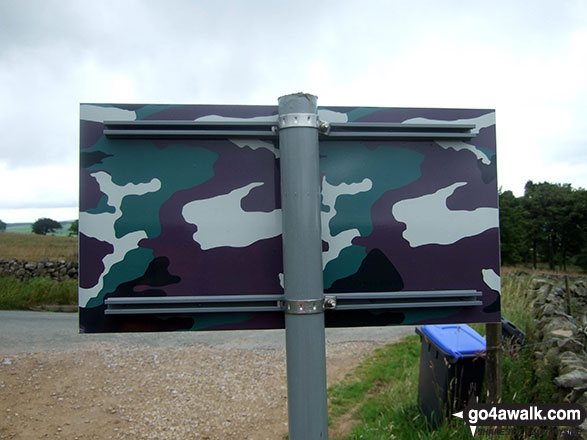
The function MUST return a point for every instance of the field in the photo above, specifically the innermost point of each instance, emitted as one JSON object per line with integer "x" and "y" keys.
{"x": 24, "y": 295}
{"x": 19, "y": 228}
{"x": 33, "y": 247}
{"x": 25, "y": 228}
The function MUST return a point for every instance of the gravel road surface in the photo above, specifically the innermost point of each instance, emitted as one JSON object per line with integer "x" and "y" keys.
{"x": 56, "y": 383}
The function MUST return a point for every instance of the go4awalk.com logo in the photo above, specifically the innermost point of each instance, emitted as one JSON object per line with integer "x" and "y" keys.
{"x": 522, "y": 414}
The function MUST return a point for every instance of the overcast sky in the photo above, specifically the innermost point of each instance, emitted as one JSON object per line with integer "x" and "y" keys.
{"x": 526, "y": 59}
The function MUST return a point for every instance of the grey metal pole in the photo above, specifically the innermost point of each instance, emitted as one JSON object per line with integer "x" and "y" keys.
{"x": 302, "y": 266}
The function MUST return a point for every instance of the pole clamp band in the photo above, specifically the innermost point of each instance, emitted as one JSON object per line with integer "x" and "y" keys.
{"x": 303, "y": 307}
{"x": 309, "y": 306}
{"x": 298, "y": 120}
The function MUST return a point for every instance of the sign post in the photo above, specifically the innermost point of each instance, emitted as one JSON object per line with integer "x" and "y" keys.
{"x": 302, "y": 266}
{"x": 387, "y": 216}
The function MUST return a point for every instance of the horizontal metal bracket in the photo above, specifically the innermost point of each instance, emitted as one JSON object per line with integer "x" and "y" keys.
{"x": 150, "y": 129}
{"x": 278, "y": 303}
{"x": 193, "y": 304}
{"x": 388, "y": 131}
{"x": 408, "y": 300}
{"x": 298, "y": 120}
{"x": 268, "y": 130}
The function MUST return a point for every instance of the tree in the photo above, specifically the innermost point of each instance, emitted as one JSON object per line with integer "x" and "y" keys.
{"x": 548, "y": 224}
{"x": 532, "y": 208}
{"x": 2, "y": 226}
{"x": 513, "y": 222}
{"x": 43, "y": 226}
{"x": 74, "y": 228}
{"x": 577, "y": 228}
{"x": 557, "y": 221}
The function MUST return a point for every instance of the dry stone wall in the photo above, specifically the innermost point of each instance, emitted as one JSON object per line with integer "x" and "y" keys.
{"x": 23, "y": 270}
{"x": 561, "y": 330}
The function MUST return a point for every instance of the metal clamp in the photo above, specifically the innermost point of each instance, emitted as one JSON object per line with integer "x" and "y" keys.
{"x": 303, "y": 307}
{"x": 309, "y": 307}
{"x": 298, "y": 120}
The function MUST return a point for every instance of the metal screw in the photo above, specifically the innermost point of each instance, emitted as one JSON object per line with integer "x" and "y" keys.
{"x": 330, "y": 302}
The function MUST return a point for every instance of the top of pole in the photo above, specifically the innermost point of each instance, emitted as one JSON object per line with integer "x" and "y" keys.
{"x": 297, "y": 103}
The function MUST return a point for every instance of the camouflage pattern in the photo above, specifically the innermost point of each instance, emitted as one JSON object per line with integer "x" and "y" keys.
{"x": 202, "y": 217}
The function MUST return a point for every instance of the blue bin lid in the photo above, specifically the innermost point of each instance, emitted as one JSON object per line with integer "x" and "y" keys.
{"x": 457, "y": 340}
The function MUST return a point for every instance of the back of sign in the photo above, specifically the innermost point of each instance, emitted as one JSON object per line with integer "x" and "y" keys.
{"x": 180, "y": 221}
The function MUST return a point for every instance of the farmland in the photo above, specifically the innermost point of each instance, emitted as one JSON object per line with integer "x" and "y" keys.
{"x": 32, "y": 247}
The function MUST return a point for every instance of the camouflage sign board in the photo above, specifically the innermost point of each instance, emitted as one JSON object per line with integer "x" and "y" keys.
{"x": 166, "y": 217}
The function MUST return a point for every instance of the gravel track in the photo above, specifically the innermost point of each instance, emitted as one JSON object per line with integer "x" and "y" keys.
{"x": 217, "y": 385}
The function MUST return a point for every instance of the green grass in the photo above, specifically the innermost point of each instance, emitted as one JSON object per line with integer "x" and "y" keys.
{"x": 522, "y": 382}
{"x": 386, "y": 365}
{"x": 381, "y": 395}
{"x": 23, "y": 295}
{"x": 515, "y": 300}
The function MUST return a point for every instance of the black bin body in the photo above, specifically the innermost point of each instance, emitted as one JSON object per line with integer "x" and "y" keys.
{"x": 511, "y": 334}
{"x": 452, "y": 366}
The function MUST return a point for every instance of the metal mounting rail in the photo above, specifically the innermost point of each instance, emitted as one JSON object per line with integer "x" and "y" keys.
{"x": 403, "y": 300}
{"x": 268, "y": 130}
{"x": 277, "y": 303}
{"x": 397, "y": 131}
{"x": 193, "y": 304}
{"x": 190, "y": 129}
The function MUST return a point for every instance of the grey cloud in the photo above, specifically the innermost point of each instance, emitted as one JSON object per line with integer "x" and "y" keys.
{"x": 54, "y": 54}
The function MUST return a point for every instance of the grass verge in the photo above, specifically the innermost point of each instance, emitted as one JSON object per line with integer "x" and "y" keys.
{"x": 380, "y": 397}
{"x": 23, "y": 295}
